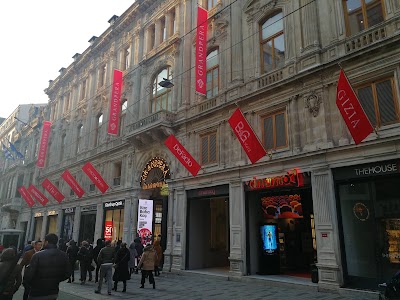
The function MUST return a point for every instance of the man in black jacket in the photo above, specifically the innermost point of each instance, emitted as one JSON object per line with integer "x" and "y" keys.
{"x": 47, "y": 269}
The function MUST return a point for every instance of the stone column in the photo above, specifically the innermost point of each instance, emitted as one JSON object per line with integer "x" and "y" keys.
{"x": 98, "y": 231}
{"x": 179, "y": 230}
{"x": 127, "y": 236}
{"x": 77, "y": 223}
{"x": 326, "y": 230}
{"x": 60, "y": 216}
{"x": 237, "y": 223}
{"x": 187, "y": 53}
{"x": 236, "y": 42}
{"x": 170, "y": 242}
{"x": 134, "y": 212}
{"x": 294, "y": 129}
{"x": 44, "y": 226}
{"x": 309, "y": 24}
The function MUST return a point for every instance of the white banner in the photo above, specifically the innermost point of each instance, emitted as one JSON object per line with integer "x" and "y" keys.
{"x": 145, "y": 220}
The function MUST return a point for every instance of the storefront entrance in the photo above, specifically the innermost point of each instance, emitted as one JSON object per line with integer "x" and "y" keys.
{"x": 37, "y": 228}
{"x": 88, "y": 224}
{"x": 68, "y": 224}
{"x": 290, "y": 209}
{"x": 51, "y": 224}
{"x": 208, "y": 230}
{"x": 369, "y": 203}
{"x": 114, "y": 220}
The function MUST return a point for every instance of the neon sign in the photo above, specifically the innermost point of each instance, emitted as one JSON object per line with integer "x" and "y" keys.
{"x": 291, "y": 179}
{"x": 155, "y": 174}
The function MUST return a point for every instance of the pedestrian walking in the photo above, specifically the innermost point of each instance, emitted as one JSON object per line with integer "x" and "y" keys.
{"x": 96, "y": 251}
{"x": 132, "y": 260}
{"x": 10, "y": 274}
{"x": 139, "y": 251}
{"x": 159, "y": 252}
{"x": 121, "y": 267}
{"x": 47, "y": 269}
{"x": 72, "y": 252}
{"x": 147, "y": 265}
{"x": 106, "y": 259}
{"x": 26, "y": 260}
{"x": 85, "y": 261}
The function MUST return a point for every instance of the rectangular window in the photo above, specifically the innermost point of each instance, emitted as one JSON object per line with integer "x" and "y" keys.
{"x": 275, "y": 131}
{"x": 163, "y": 31}
{"x": 362, "y": 14}
{"x": 173, "y": 22}
{"x": 152, "y": 37}
{"x": 208, "y": 148}
{"x": 117, "y": 173}
{"x": 211, "y": 3}
{"x": 380, "y": 102}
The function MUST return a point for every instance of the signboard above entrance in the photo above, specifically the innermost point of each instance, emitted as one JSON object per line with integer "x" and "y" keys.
{"x": 291, "y": 179}
{"x": 155, "y": 174}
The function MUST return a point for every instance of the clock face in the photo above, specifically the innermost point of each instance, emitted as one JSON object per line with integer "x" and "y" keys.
{"x": 361, "y": 211}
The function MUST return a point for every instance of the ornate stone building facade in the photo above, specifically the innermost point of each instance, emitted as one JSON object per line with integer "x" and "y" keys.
{"x": 279, "y": 62}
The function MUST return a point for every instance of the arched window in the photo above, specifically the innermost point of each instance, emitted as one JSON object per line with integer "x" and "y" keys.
{"x": 79, "y": 139}
{"x": 212, "y": 73}
{"x": 99, "y": 122}
{"x": 162, "y": 97}
{"x": 272, "y": 43}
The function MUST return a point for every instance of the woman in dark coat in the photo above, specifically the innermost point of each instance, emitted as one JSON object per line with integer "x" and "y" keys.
{"x": 72, "y": 252}
{"x": 121, "y": 267}
{"x": 10, "y": 274}
{"x": 139, "y": 251}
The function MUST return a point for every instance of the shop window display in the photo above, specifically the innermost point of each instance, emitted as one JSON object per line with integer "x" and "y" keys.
{"x": 115, "y": 220}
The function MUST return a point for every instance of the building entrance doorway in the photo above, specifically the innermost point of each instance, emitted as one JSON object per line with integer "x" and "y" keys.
{"x": 86, "y": 230}
{"x": 208, "y": 233}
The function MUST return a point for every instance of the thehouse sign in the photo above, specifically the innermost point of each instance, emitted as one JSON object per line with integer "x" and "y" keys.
{"x": 367, "y": 170}
{"x": 155, "y": 174}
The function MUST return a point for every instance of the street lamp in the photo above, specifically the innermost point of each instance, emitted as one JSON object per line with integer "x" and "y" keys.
{"x": 166, "y": 83}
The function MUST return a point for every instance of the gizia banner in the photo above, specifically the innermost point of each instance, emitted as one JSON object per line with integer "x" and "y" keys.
{"x": 246, "y": 136}
{"x": 201, "y": 51}
{"x": 53, "y": 190}
{"x": 352, "y": 112}
{"x": 27, "y": 197}
{"x": 42, "y": 199}
{"x": 44, "y": 141}
{"x": 115, "y": 103}
{"x": 78, "y": 190}
{"x": 95, "y": 177}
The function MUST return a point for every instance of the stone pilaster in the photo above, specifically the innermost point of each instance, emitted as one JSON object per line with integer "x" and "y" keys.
{"x": 237, "y": 256}
{"x": 77, "y": 223}
{"x": 44, "y": 226}
{"x": 98, "y": 233}
{"x": 127, "y": 234}
{"x": 158, "y": 33}
{"x": 236, "y": 42}
{"x": 170, "y": 236}
{"x": 179, "y": 230}
{"x": 309, "y": 24}
{"x": 60, "y": 217}
{"x": 326, "y": 229}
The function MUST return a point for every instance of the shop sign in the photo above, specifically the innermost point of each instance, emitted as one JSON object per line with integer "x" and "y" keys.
{"x": 114, "y": 204}
{"x": 291, "y": 179}
{"x": 145, "y": 220}
{"x": 367, "y": 170}
{"x": 69, "y": 210}
{"x": 164, "y": 190}
{"x": 38, "y": 214}
{"x": 51, "y": 213}
{"x": 155, "y": 174}
{"x": 89, "y": 208}
{"x": 219, "y": 190}
{"x": 361, "y": 211}
{"x": 108, "y": 228}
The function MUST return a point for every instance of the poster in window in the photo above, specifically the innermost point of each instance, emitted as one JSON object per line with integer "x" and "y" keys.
{"x": 108, "y": 230}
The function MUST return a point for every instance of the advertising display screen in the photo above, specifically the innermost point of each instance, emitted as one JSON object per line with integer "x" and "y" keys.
{"x": 145, "y": 220}
{"x": 268, "y": 237}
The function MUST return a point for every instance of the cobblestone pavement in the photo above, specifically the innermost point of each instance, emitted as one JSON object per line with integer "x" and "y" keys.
{"x": 193, "y": 286}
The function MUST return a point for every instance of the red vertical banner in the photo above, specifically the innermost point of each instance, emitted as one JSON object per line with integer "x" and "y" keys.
{"x": 53, "y": 190}
{"x": 201, "y": 51}
{"x": 27, "y": 197}
{"x": 351, "y": 110}
{"x": 115, "y": 103}
{"x": 38, "y": 195}
{"x": 67, "y": 176}
{"x": 108, "y": 230}
{"x": 44, "y": 141}
{"x": 182, "y": 155}
{"x": 95, "y": 177}
{"x": 246, "y": 136}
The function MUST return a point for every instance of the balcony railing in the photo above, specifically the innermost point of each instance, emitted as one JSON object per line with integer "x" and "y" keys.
{"x": 365, "y": 39}
{"x": 162, "y": 116}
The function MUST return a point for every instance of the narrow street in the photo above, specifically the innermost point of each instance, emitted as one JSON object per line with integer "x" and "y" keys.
{"x": 193, "y": 286}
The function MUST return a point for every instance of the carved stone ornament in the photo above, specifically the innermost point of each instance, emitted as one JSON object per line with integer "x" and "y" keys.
{"x": 313, "y": 103}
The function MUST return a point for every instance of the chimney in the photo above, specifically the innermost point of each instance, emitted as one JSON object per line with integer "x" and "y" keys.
{"x": 76, "y": 56}
{"x": 92, "y": 39}
{"x": 113, "y": 19}
{"x": 61, "y": 70}
{"x": 50, "y": 82}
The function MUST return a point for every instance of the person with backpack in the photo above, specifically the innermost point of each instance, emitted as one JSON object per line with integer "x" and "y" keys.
{"x": 10, "y": 274}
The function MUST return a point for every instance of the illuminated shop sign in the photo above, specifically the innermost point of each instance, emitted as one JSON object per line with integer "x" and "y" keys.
{"x": 51, "y": 213}
{"x": 114, "y": 204}
{"x": 69, "y": 210}
{"x": 37, "y": 215}
{"x": 155, "y": 174}
{"x": 291, "y": 179}
{"x": 220, "y": 190}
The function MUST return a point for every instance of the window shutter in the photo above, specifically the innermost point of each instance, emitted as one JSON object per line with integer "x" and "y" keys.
{"x": 367, "y": 102}
{"x": 280, "y": 128}
{"x": 213, "y": 147}
{"x": 204, "y": 149}
{"x": 268, "y": 133}
{"x": 387, "y": 110}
